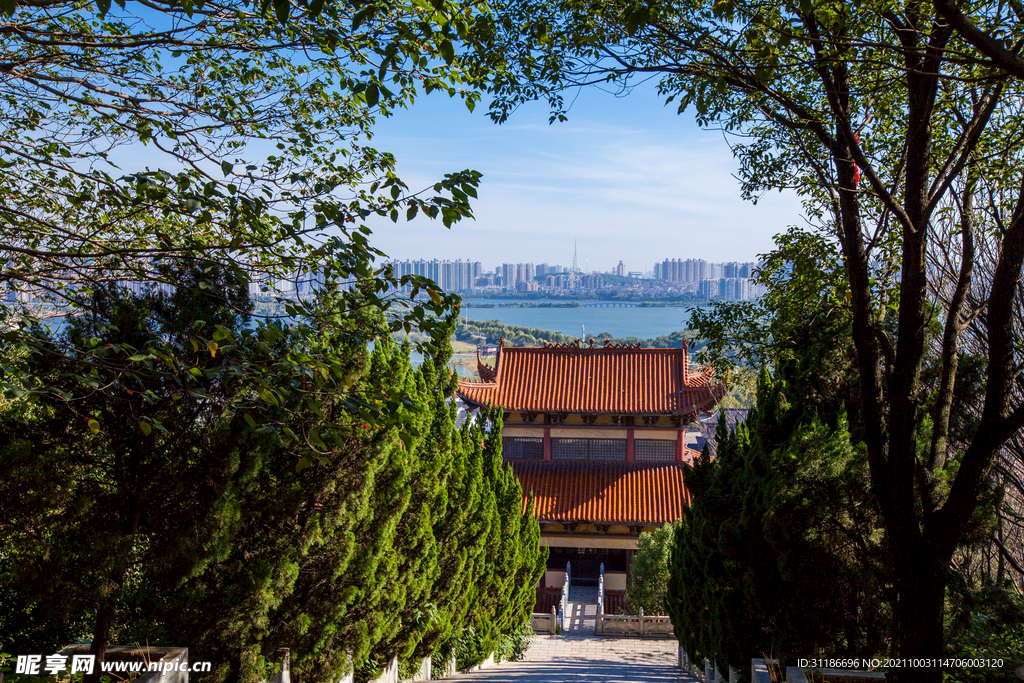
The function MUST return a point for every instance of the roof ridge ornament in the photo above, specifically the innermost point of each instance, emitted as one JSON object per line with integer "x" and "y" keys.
{"x": 487, "y": 374}
{"x": 574, "y": 344}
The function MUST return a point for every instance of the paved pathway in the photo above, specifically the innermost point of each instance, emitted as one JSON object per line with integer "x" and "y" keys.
{"x": 573, "y": 659}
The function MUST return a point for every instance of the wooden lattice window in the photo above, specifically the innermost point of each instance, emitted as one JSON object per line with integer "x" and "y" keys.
{"x": 588, "y": 449}
{"x": 654, "y": 450}
{"x": 522, "y": 448}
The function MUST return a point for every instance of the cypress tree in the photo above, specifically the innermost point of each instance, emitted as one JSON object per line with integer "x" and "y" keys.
{"x": 780, "y": 552}
{"x": 388, "y": 545}
{"x": 317, "y": 550}
{"x": 395, "y": 536}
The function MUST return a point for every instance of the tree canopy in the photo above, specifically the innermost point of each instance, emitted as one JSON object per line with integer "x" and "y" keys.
{"x": 140, "y": 135}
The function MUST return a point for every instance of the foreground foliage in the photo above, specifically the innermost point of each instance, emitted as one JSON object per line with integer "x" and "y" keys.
{"x": 781, "y": 551}
{"x": 220, "y": 532}
{"x": 144, "y": 138}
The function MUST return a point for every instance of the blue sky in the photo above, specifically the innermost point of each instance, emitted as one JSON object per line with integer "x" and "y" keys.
{"x": 627, "y": 177}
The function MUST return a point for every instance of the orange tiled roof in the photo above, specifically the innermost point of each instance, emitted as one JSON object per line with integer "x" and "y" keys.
{"x": 604, "y": 492}
{"x": 613, "y": 380}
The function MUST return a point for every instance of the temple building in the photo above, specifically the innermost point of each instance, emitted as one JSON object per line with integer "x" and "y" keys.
{"x": 598, "y": 435}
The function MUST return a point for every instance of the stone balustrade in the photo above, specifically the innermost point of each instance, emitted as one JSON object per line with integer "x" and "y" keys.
{"x": 545, "y": 623}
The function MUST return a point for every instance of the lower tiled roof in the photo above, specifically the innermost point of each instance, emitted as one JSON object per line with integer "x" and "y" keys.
{"x": 603, "y": 493}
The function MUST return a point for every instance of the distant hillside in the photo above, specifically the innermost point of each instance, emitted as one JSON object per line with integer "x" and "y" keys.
{"x": 490, "y": 331}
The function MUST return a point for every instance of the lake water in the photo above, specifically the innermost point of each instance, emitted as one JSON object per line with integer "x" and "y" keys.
{"x": 642, "y": 322}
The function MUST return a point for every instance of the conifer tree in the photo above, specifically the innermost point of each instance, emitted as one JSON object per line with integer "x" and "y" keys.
{"x": 385, "y": 546}
{"x": 317, "y": 547}
{"x": 779, "y": 552}
{"x": 314, "y": 528}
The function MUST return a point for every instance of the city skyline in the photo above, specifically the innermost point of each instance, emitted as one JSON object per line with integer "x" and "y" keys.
{"x": 730, "y": 268}
{"x": 671, "y": 277}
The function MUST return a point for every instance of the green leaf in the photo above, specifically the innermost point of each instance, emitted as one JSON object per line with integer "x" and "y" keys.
{"x": 139, "y": 356}
{"x": 447, "y": 51}
{"x": 226, "y": 167}
{"x": 371, "y": 94}
{"x": 145, "y": 427}
{"x": 281, "y": 9}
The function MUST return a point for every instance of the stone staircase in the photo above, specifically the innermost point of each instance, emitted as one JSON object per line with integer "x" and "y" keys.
{"x": 581, "y": 611}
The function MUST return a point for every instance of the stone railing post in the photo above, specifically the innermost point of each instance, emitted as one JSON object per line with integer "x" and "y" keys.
{"x": 641, "y": 621}
{"x": 285, "y": 674}
{"x": 554, "y": 621}
{"x": 349, "y": 675}
{"x": 566, "y": 587}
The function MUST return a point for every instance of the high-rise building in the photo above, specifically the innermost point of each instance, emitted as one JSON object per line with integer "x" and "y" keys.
{"x": 678, "y": 270}
{"x": 451, "y": 276}
{"x": 508, "y": 275}
{"x": 621, "y": 269}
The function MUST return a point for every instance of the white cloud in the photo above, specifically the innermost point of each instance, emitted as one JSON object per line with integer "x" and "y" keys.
{"x": 635, "y": 194}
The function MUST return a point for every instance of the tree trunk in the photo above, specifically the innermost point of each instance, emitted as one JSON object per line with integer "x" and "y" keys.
{"x": 105, "y": 612}
{"x": 917, "y": 618}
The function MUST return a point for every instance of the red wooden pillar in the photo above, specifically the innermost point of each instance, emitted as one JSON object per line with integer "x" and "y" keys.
{"x": 630, "y": 455}
{"x": 547, "y": 443}
{"x": 680, "y": 445}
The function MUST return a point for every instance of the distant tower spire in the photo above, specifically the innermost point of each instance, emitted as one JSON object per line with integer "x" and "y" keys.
{"x": 575, "y": 269}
